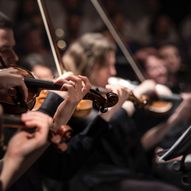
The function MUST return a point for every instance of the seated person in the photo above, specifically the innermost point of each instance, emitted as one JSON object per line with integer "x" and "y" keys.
{"x": 118, "y": 160}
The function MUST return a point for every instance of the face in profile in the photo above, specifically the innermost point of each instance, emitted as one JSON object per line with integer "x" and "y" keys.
{"x": 7, "y": 43}
{"x": 100, "y": 74}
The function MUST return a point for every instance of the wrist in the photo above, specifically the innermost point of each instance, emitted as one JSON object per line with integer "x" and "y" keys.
{"x": 71, "y": 101}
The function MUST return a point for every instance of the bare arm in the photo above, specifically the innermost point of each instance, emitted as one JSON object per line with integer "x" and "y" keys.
{"x": 74, "y": 89}
{"x": 24, "y": 147}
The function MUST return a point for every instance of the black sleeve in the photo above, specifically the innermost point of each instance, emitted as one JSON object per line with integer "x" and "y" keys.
{"x": 126, "y": 138}
{"x": 145, "y": 119}
{"x": 58, "y": 165}
{"x": 51, "y": 103}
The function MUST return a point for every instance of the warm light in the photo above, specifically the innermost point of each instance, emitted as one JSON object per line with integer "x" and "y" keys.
{"x": 61, "y": 44}
{"x": 59, "y": 32}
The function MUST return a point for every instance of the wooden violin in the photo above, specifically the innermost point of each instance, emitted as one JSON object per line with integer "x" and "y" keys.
{"x": 101, "y": 103}
{"x": 16, "y": 105}
{"x": 162, "y": 101}
{"x": 12, "y": 121}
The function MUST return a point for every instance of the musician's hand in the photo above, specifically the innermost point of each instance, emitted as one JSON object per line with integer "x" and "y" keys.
{"x": 25, "y": 148}
{"x": 77, "y": 87}
{"x": 147, "y": 87}
{"x": 9, "y": 79}
{"x": 24, "y": 143}
{"x": 122, "y": 95}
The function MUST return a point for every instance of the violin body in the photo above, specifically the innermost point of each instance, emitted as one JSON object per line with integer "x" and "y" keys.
{"x": 161, "y": 102}
{"x": 14, "y": 103}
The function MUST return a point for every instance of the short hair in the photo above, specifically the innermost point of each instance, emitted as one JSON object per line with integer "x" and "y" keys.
{"x": 5, "y": 21}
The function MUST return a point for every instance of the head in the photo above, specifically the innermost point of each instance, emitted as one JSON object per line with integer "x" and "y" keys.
{"x": 92, "y": 55}
{"x": 154, "y": 68}
{"x": 170, "y": 53}
{"x": 36, "y": 64}
{"x": 7, "y": 41}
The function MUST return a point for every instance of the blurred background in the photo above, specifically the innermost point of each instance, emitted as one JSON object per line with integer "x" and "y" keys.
{"x": 140, "y": 23}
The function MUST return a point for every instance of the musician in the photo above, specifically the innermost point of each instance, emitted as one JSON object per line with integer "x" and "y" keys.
{"x": 178, "y": 75}
{"x": 119, "y": 161}
{"x": 7, "y": 41}
{"x": 23, "y": 145}
{"x": 88, "y": 138}
{"x": 152, "y": 65}
{"x": 80, "y": 146}
{"x": 163, "y": 66}
{"x": 24, "y": 148}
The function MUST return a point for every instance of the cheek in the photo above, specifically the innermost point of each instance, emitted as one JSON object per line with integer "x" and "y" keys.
{"x": 151, "y": 73}
{"x": 104, "y": 76}
{"x": 100, "y": 78}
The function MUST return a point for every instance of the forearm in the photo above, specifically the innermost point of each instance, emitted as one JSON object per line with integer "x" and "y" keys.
{"x": 61, "y": 109}
{"x": 9, "y": 171}
{"x": 153, "y": 136}
{"x": 64, "y": 113}
{"x": 14, "y": 167}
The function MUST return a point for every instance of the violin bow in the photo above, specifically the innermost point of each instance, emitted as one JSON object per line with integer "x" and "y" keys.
{"x": 51, "y": 37}
{"x": 118, "y": 40}
{"x": 93, "y": 95}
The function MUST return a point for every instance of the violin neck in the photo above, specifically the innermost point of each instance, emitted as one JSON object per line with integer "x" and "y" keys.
{"x": 11, "y": 121}
{"x": 170, "y": 98}
{"x": 41, "y": 84}
{"x": 15, "y": 122}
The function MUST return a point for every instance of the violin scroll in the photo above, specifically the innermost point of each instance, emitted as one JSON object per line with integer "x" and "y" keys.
{"x": 16, "y": 105}
{"x": 100, "y": 102}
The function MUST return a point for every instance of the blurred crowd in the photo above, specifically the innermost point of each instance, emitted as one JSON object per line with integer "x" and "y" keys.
{"x": 140, "y": 24}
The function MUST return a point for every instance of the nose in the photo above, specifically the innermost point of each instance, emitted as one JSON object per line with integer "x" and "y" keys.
{"x": 113, "y": 71}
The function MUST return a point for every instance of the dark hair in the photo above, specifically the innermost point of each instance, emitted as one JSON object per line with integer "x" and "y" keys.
{"x": 5, "y": 22}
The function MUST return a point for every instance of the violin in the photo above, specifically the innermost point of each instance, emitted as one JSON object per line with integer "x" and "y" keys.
{"x": 16, "y": 105}
{"x": 101, "y": 103}
{"x": 158, "y": 103}
{"x": 162, "y": 101}
{"x": 12, "y": 121}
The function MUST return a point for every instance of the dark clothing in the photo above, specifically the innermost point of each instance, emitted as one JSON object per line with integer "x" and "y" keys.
{"x": 62, "y": 166}
{"x": 118, "y": 157}
{"x": 30, "y": 181}
{"x": 134, "y": 185}
{"x": 103, "y": 157}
